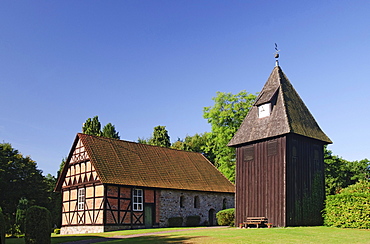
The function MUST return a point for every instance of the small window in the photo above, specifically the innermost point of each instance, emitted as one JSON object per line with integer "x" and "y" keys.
{"x": 182, "y": 201}
{"x": 81, "y": 199}
{"x": 248, "y": 153}
{"x": 272, "y": 148}
{"x": 196, "y": 202}
{"x": 138, "y": 200}
{"x": 224, "y": 203}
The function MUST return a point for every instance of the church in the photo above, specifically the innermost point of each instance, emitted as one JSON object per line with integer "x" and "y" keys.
{"x": 280, "y": 158}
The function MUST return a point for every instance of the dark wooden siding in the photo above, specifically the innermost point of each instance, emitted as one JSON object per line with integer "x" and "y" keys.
{"x": 305, "y": 180}
{"x": 260, "y": 181}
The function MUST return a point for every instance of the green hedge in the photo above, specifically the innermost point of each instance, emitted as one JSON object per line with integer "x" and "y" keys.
{"x": 2, "y": 227}
{"x": 38, "y": 226}
{"x": 175, "y": 222}
{"x": 350, "y": 208}
{"x": 192, "y": 220}
{"x": 226, "y": 217}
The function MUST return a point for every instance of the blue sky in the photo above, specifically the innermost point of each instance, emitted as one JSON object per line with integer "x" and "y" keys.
{"x": 139, "y": 64}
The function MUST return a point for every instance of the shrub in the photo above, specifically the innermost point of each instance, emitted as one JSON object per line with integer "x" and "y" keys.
{"x": 350, "y": 208}
{"x": 192, "y": 220}
{"x": 175, "y": 222}
{"x": 226, "y": 217}
{"x": 2, "y": 227}
{"x": 37, "y": 226}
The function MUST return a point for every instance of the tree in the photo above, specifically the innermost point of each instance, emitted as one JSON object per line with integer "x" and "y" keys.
{"x": 160, "y": 137}
{"x": 92, "y": 127}
{"x": 21, "y": 213}
{"x": 110, "y": 131}
{"x": 2, "y": 227}
{"x": 225, "y": 117}
{"x": 19, "y": 178}
{"x": 196, "y": 143}
{"x": 340, "y": 173}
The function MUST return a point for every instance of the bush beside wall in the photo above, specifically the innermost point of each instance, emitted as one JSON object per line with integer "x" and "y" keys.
{"x": 192, "y": 220}
{"x": 350, "y": 208}
{"x": 38, "y": 226}
{"x": 226, "y": 217}
{"x": 175, "y": 222}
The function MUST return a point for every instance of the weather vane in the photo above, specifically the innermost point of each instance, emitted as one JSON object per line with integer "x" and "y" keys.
{"x": 277, "y": 54}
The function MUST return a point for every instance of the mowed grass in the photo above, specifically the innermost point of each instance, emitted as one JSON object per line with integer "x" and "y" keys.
{"x": 228, "y": 235}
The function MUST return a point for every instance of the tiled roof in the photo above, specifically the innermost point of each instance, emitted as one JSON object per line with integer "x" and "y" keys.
{"x": 128, "y": 163}
{"x": 289, "y": 114}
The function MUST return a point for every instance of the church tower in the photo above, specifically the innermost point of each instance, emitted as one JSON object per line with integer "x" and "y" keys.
{"x": 280, "y": 158}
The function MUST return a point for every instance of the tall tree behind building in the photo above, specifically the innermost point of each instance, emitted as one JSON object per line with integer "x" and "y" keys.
{"x": 160, "y": 137}
{"x": 110, "y": 131}
{"x": 225, "y": 117}
{"x": 92, "y": 126}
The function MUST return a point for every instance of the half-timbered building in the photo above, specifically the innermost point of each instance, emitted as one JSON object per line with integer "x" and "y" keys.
{"x": 109, "y": 184}
{"x": 280, "y": 161}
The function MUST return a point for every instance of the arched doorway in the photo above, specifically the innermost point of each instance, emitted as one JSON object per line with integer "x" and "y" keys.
{"x": 212, "y": 217}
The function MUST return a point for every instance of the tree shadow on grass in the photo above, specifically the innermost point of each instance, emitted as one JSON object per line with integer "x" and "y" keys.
{"x": 154, "y": 239}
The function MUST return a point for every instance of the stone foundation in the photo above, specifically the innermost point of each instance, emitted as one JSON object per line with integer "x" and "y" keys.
{"x": 82, "y": 229}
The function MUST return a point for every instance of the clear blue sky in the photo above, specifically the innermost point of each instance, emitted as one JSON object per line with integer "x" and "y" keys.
{"x": 139, "y": 64}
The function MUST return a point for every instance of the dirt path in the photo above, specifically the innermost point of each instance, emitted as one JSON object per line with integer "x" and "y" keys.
{"x": 136, "y": 235}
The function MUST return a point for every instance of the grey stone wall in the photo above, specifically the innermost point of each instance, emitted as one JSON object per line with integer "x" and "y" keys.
{"x": 169, "y": 205}
{"x": 82, "y": 229}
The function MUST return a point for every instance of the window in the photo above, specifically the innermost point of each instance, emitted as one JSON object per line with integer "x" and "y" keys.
{"x": 182, "y": 198}
{"x": 248, "y": 153}
{"x": 81, "y": 199}
{"x": 196, "y": 202}
{"x": 138, "y": 200}
{"x": 272, "y": 148}
{"x": 224, "y": 203}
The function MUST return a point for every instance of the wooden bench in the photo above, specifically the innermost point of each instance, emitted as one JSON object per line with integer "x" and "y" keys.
{"x": 257, "y": 221}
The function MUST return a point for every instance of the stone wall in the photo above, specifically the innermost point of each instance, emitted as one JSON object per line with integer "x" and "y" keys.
{"x": 81, "y": 229}
{"x": 209, "y": 203}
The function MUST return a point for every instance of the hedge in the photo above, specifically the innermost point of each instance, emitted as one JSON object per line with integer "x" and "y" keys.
{"x": 38, "y": 226}
{"x": 175, "y": 222}
{"x": 350, "y": 208}
{"x": 192, "y": 220}
{"x": 226, "y": 217}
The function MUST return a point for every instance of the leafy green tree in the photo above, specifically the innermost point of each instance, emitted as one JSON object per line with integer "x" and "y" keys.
{"x": 92, "y": 127}
{"x": 225, "y": 117}
{"x": 21, "y": 213}
{"x": 143, "y": 140}
{"x": 196, "y": 143}
{"x": 110, "y": 131}
{"x": 2, "y": 227}
{"x": 19, "y": 178}
{"x": 340, "y": 173}
{"x": 179, "y": 144}
{"x": 160, "y": 137}
{"x": 54, "y": 204}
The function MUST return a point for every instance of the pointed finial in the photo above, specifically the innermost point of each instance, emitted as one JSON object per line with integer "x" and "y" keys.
{"x": 276, "y": 55}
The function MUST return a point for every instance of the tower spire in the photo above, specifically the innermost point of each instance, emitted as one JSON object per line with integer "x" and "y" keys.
{"x": 276, "y": 55}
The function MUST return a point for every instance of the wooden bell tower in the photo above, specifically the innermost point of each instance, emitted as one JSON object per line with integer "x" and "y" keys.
{"x": 280, "y": 158}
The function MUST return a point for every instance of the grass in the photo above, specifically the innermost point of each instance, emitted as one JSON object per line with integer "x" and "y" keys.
{"x": 227, "y": 235}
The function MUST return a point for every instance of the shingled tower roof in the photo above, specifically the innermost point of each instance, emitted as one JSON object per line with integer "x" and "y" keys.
{"x": 288, "y": 114}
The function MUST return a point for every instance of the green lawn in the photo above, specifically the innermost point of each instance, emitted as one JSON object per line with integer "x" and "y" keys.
{"x": 230, "y": 235}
